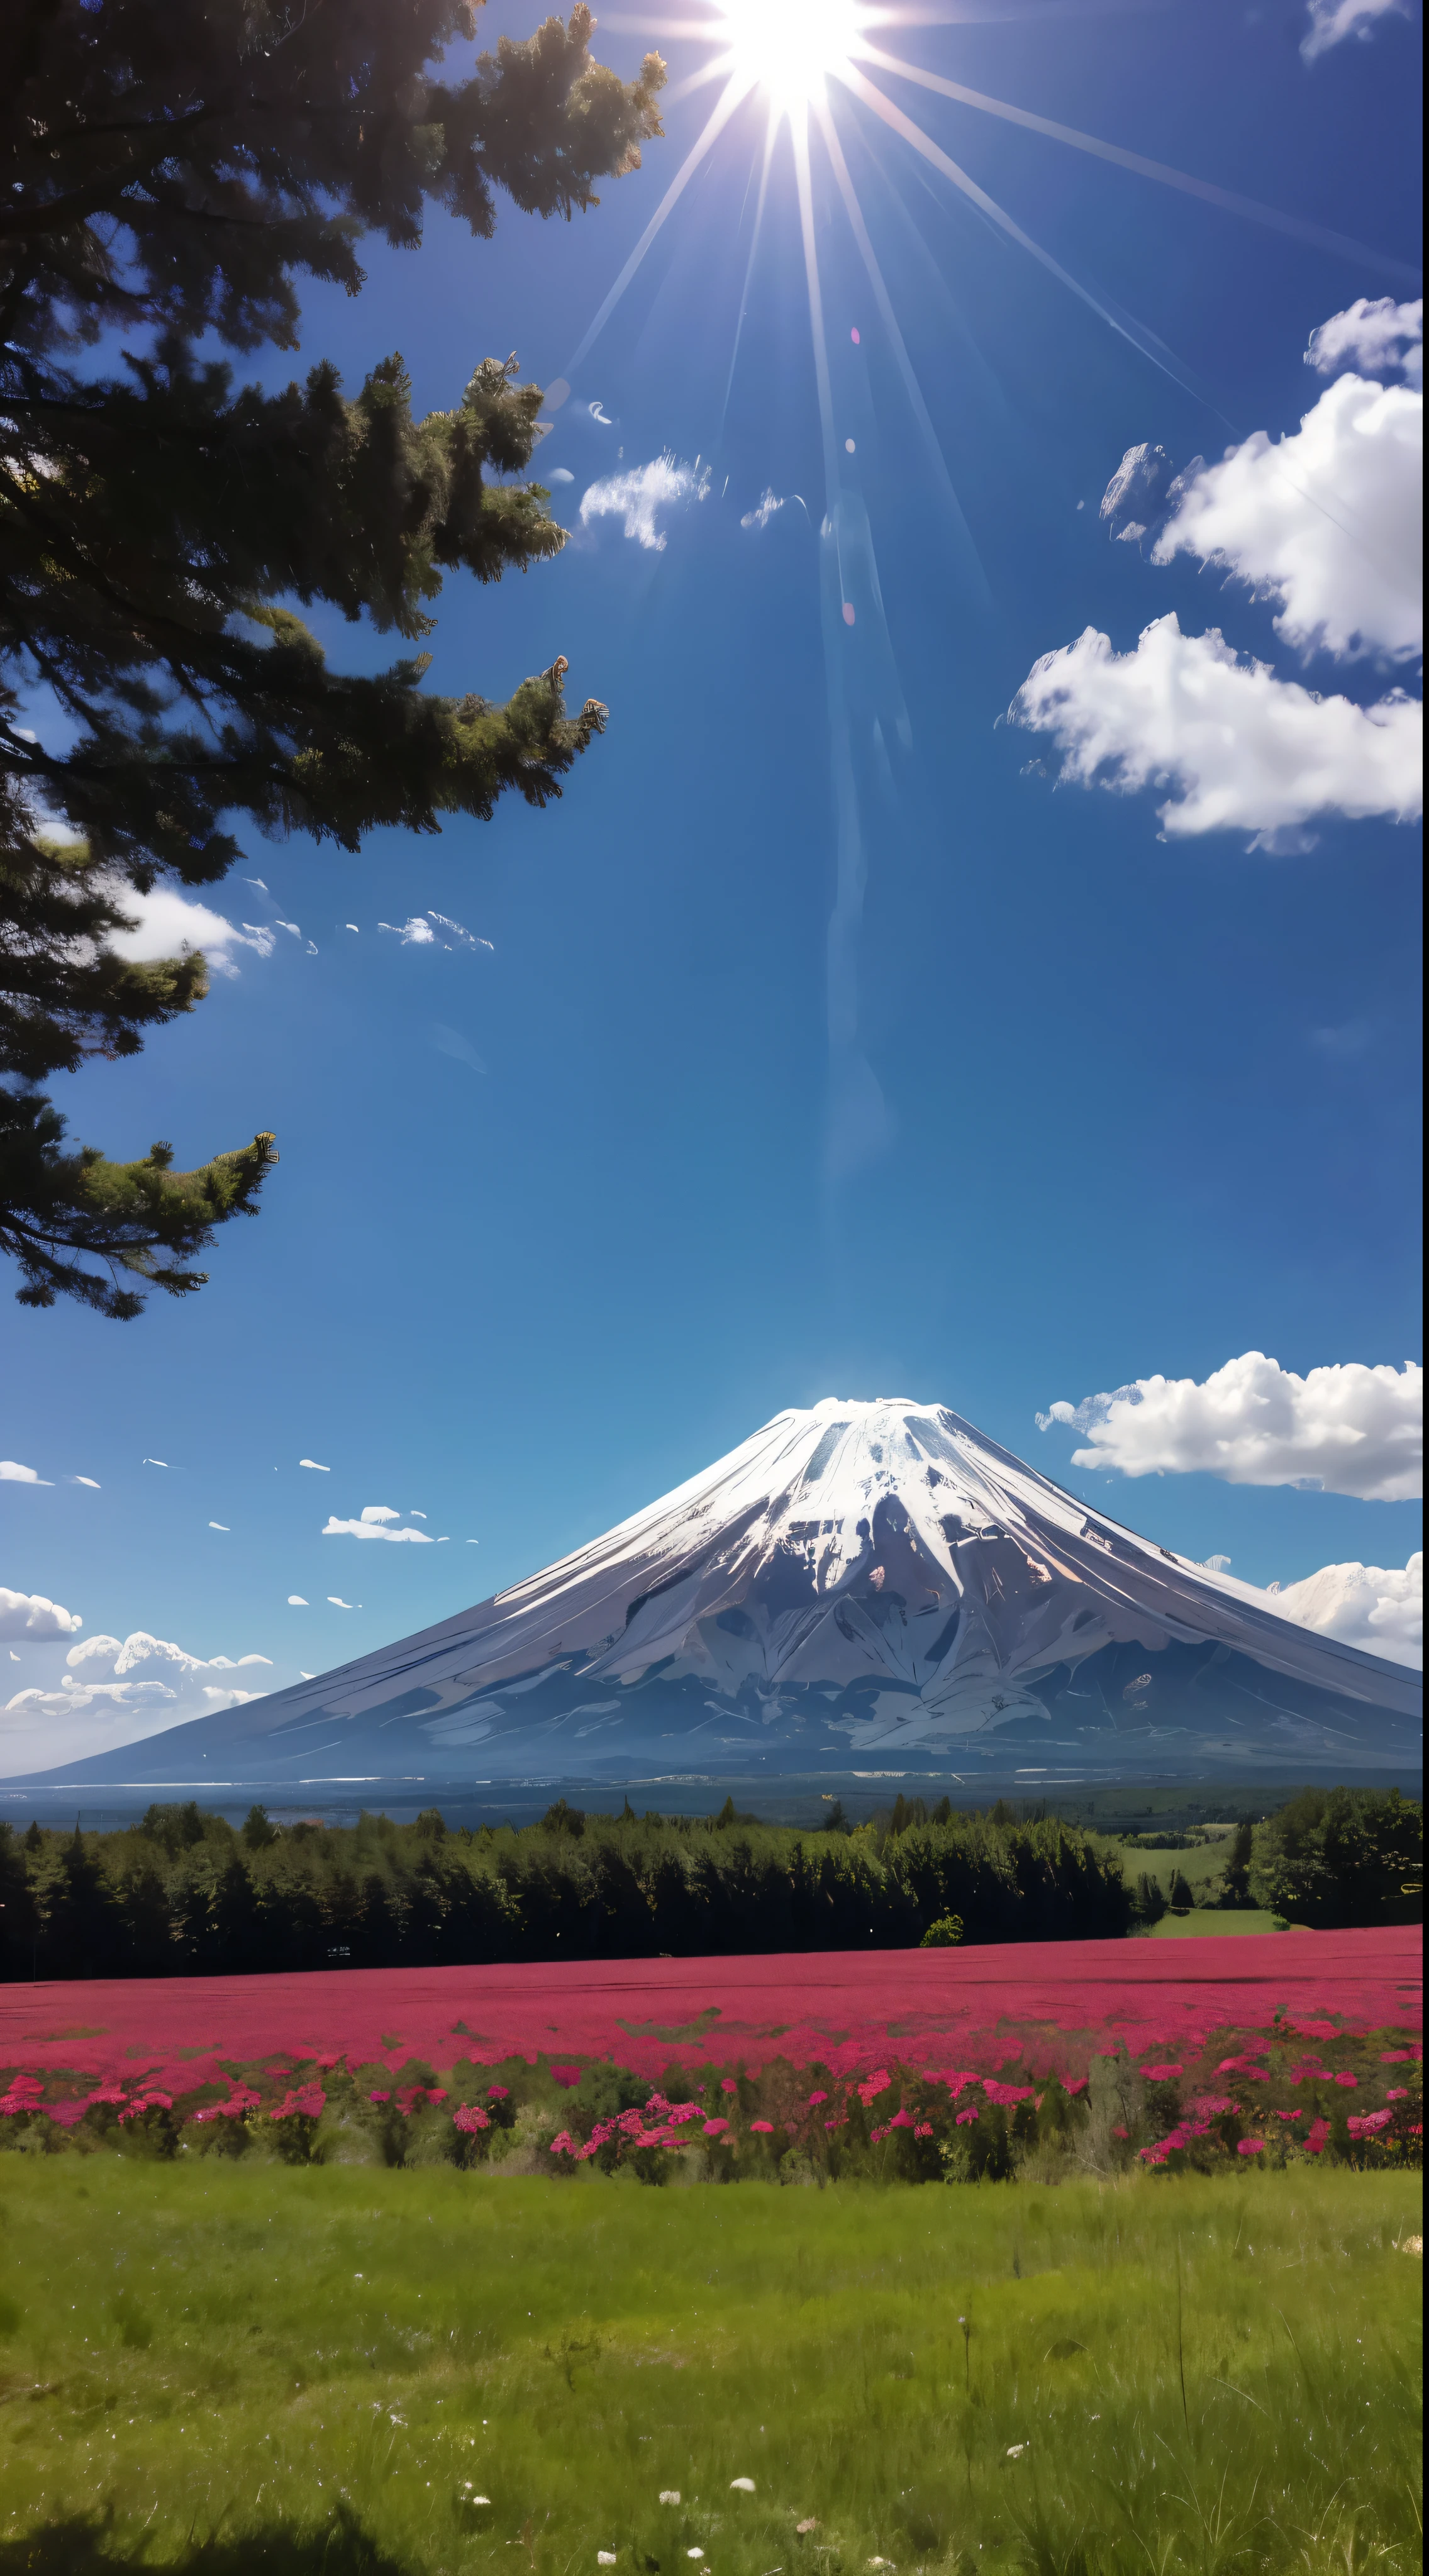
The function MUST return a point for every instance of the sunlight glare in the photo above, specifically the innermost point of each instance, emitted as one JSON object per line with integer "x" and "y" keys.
{"x": 788, "y": 48}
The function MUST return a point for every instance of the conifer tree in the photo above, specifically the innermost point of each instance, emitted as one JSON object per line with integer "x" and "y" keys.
{"x": 170, "y": 170}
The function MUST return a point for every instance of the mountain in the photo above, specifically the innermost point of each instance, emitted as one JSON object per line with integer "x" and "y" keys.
{"x": 862, "y": 1584}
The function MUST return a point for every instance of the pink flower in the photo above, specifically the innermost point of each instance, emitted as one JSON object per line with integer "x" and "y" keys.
{"x": 436, "y": 2093}
{"x": 963, "y": 2118}
{"x": 1396, "y": 2093}
{"x": 727, "y": 2084}
{"x": 564, "y": 2145}
{"x": 1250, "y": 2146}
{"x": 1350, "y": 2082}
{"x": 1370, "y": 2125}
{"x": 1399, "y": 2056}
{"x": 1161, "y": 2074}
{"x": 763, "y": 2128}
{"x": 715, "y": 2128}
{"x": 1075, "y": 2084}
{"x": 816, "y": 2098}
{"x": 379, "y": 2097}
{"x": 310, "y": 2100}
{"x": 499, "y": 2093}
{"x": 901, "y": 2120}
{"x": 469, "y": 2117}
{"x": 1318, "y": 2137}
{"x": 924, "y": 2129}
{"x": 1006, "y": 2094}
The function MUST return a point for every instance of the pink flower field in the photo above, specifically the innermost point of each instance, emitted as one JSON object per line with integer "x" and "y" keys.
{"x": 1048, "y": 2005}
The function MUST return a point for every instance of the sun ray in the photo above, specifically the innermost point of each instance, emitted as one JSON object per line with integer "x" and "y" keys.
{"x": 770, "y": 134}
{"x": 1134, "y": 335}
{"x": 695, "y": 80}
{"x": 734, "y": 91}
{"x": 1314, "y": 236}
{"x": 889, "y": 319}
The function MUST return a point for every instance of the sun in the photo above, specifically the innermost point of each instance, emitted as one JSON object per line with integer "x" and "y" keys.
{"x": 788, "y": 48}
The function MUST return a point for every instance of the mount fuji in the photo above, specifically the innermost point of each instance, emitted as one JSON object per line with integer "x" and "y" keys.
{"x": 859, "y": 1584}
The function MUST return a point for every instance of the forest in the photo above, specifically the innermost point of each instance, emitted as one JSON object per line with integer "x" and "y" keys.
{"x": 183, "y": 1891}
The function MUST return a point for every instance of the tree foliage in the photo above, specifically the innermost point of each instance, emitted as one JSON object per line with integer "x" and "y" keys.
{"x": 182, "y": 1891}
{"x": 169, "y": 172}
{"x": 1335, "y": 1857}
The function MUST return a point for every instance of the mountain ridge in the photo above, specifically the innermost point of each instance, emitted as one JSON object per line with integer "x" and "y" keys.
{"x": 862, "y": 1576}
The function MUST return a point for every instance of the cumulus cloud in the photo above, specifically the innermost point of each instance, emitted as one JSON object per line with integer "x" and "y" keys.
{"x": 1328, "y": 522}
{"x": 1242, "y": 750}
{"x": 1340, "y": 1430}
{"x": 296, "y": 1601}
{"x": 639, "y": 497}
{"x": 1332, "y": 21}
{"x": 1376, "y": 339}
{"x": 316, "y": 1465}
{"x": 1378, "y": 1608}
{"x": 12, "y": 1473}
{"x": 561, "y": 474}
{"x": 1135, "y": 498}
{"x": 376, "y": 1522}
{"x": 33, "y": 1614}
{"x": 165, "y": 923}
{"x": 115, "y": 1689}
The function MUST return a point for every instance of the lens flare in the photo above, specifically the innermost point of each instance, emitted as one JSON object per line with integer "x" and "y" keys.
{"x": 789, "y": 48}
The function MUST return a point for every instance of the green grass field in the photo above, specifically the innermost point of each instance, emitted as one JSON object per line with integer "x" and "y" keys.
{"x": 1209, "y": 1919}
{"x": 230, "y": 2368}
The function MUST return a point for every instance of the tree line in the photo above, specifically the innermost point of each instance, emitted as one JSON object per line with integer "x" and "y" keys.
{"x": 183, "y": 1891}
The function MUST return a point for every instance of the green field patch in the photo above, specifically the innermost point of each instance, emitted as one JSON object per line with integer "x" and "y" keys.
{"x": 230, "y": 2367}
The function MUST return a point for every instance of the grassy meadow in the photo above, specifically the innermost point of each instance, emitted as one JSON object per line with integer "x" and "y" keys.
{"x": 226, "y": 2367}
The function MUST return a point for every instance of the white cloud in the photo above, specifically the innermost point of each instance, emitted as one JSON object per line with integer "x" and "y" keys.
{"x": 1342, "y": 1429}
{"x": 12, "y": 1473}
{"x": 375, "y": 1523}
{"x": 91, "y": 1481}
{"x": 296, "y": 1601}
{"x": 317, "y": 1466}
{"x": 32, "y": 1614}
{"x": 1331, "y": 21}
{"x": 1243, "y": 750}
{"x": 561, "y": 474}
{"x": 639, "y": 497}
{"x": 112, "y": 1691}
{"x": 339, "y": 1604}
{"x": 156, "y": 1462}
{"x": 433, "y": 930}
{"x": 166, "y": 923}
{"x": 760, "y": 517}
{"x": 221, "y": 1525}
{"x": 1327, "y": 522}
{"x": 1383, "y": 338}
{"x": 1378, "y": 1608}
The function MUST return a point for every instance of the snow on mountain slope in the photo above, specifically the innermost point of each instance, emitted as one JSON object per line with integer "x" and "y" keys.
{"x": 858, "y": 1579}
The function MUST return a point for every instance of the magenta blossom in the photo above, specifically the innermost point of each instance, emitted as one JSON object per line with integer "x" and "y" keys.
{"x": 1250, "y": 2146}
{"x": 727, "y": 2084}
{"x": 762, "y": 2128}
{"x": 715, "y": 2128}
{"x": 1161, "y": 2074}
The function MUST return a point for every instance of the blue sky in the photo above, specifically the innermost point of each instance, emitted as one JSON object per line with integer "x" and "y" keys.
{"x": 1147, "y": 1103}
